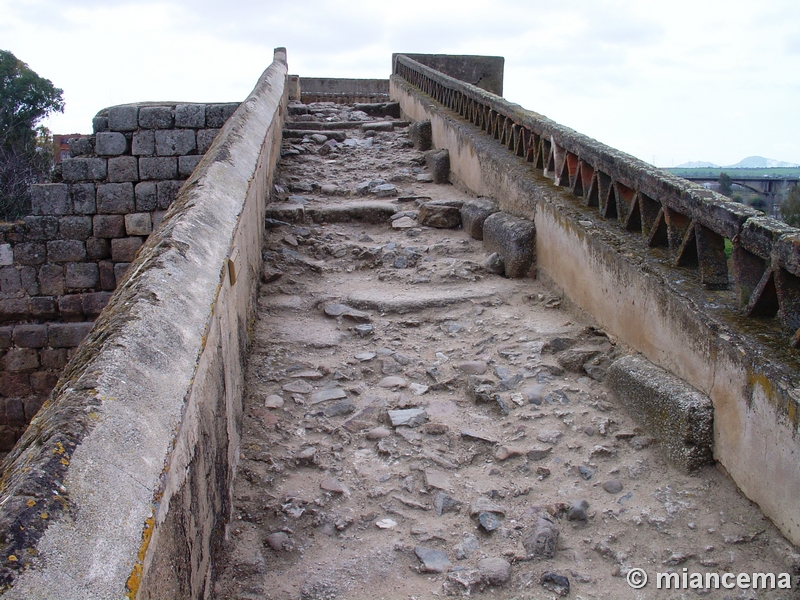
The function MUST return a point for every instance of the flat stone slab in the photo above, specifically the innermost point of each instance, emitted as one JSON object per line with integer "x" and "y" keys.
{"x": 326, "y": 395}
{"x": 348, "y": 312}
{"x": 433, "y": 561}
{"x": 408, "y": 416}
{"x": 681, "y": 417}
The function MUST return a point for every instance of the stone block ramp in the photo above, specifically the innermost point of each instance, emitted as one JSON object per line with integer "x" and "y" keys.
{"x": 417, "y": 426}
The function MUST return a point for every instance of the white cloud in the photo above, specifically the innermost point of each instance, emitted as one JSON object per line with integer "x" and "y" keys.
{"x": 684, "y": 80}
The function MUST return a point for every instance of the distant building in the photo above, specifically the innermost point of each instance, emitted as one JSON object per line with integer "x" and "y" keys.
{"x": 60, "y": 145}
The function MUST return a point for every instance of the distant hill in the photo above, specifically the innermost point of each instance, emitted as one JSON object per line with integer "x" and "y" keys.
{"x": 751, "y": 162}
{"x": 759, "y": 162}
{"x": 697, "y": 164}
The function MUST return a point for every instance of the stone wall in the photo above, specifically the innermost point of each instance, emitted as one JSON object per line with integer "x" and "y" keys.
{"x": 59, "y": 265}
{"x": 133, "y": 455}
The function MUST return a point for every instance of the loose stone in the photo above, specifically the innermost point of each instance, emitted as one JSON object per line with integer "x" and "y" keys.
{"x": 298, "y": 387}
{"x": 549, "y": 437}
{"x": 279, "y": 542}
{"x": 333, "y": 485}
{"x": 342, "y": 310}
{"x": 386, "y": 524}
{"x": 586, "y": 472}
{"x": 326, "y": 395}
{"x": 437, "y": 479}
{"x": 467, "y": 547}
{"x": 494, "y": 571}
{"x": 557, "y": 584}
{"x": 577, "y": 511}
{"x": 411, "y": 417}
{"x": 504, "y": 453}
{"x": 489, "y": 521}
{"x": 273, "y": 401}
{"x": 612, "y": 486}
{"x": 392, "y": 382}
{"x": 474, "y": 367}
{"x": 378, "y": 433}
{"x": 443, "y": 503}
{"x": 433, "y": 561}
{"x": 541, "y": 542}
{"x": 538, "y": 452}
{"x": 483, "y": 504}
{"x": 365, "y": 356}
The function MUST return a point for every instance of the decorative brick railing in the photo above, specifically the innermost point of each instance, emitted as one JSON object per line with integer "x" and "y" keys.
{"x": 690, "y": 221}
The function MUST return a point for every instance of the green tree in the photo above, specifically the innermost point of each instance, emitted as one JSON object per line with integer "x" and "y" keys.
{"x": 25, "y": 156}
{"x": 725, "y": 184}
{"x": 790, "y": 208}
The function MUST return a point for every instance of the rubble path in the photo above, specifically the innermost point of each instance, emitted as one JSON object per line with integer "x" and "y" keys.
{"x": 516, "y": 474}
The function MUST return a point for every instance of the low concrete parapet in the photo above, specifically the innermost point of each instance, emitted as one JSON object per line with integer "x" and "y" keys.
{"x": 121, "y": 486}
{"x": 643, "y": 252}
{"x": 680, "y": 417}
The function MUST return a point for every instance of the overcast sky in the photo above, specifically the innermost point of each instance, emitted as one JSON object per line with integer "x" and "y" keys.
{"x": 669, "y": 82}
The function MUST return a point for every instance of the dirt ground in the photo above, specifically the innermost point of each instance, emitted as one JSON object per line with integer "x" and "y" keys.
{"x": 517, "y": 474}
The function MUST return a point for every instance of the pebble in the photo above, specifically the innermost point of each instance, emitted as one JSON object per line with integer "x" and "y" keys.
{"x": 538, "y": 452}
{"x": 341, "y": 408}
{"x": 384, "y": 190}
{"x": 433, "y": 561}
{"x": 556, "y": 583}
{"x": 586, "y": 472}
{"x": 279, "y": 542}
{"x": 443, "y": 503}
{"x": 577, "y": 511}
{"x": 474, "y": 367}
{"x": 549, "y": 436}
{"x": 489, "y": 521}
{"x": 435, "y": 428}
{"x": 504, "y": 453}
{"x": 534, "y": 393}
{"x": 319, "y": 138}
{"x": 494, "y": 571}
{"x": 378, "y": 433}
{"x": 364, "y": 329}
{"x": 483, "y": 504}
{"x": 542, "y": 541}
{"x": 329, "y": 189}
{"x": 404, "y": 223}
{"x": 494, "y": 264}
{"x": 298, "y": 387}
{"x": 589, "y": 431}
{"x": 467, "y": 547}
{"x": 307, "y": 454}
{"x": 437, "y": 479}
{"x": 612, "y": 486}
{"x": 273, "y": 401}
{"x": 603, "y": 451}
{"x": 386, "y": 524}
{"x": 333, "y": 485}
{"x": 307, "y": 374}
{"x": 418, "y": 389}
{"x": 392, "y": 381}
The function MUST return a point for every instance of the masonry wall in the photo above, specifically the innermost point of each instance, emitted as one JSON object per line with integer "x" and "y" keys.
{"x": 132, "y": 457}
{"x": 59, "y": 265}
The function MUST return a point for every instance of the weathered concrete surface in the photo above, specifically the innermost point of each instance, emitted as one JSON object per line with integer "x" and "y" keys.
{"x": 122, "y": 482}
{"x": 751, "y": 378}
{"x": 681, "y": 417}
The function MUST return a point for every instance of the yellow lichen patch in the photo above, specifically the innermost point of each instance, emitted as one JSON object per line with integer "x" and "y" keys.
{"x": 64, "y": 461}
{"x": 43, "y": 515}
{"x": 12, "y": 558}
{"x": 59, "y": 449}
{"x": 135, "y": 578}
{"x": 31, "y": 502}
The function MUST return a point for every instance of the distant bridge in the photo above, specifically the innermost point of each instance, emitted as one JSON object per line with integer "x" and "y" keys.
{"x": 767, "y": 186}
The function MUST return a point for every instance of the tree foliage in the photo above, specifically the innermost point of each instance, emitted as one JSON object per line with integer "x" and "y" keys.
{"x": 790, "y": 208}
{"x": 25, "y": 153}
{"x": 725, "y": 184}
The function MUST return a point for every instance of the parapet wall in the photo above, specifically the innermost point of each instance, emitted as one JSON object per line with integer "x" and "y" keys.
{"x": 59, "y": 265}
{"x": 643, "y": 252}
{"x": 121, "y": 485}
